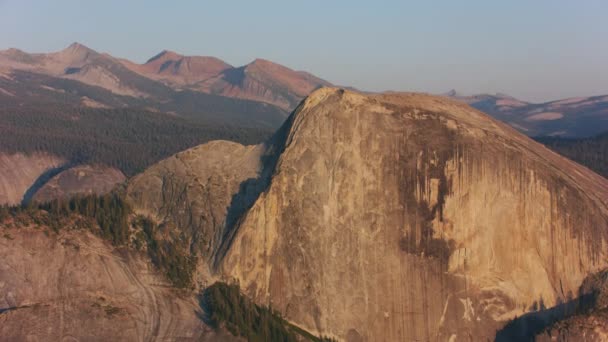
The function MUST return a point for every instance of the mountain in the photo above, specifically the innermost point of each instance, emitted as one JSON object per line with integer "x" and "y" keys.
{"x": 177, "y": 70}
{"x": 81, "y": 108}
{"x": 259, "y": 93}
{"x": 573, "y": 117}
{"x": 80, "y": 76}
{"x": 260, "y": 80}
{"x": 387, "y": 217}
{"x": 85, "y": 65}
{"x": 53, "y": 150}
{"x": 264, "y": 81}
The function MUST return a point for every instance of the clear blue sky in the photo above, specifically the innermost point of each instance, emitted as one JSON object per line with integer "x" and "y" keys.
{"x": 535, "y": 50}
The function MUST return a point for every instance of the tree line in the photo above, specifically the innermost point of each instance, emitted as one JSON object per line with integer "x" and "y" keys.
{"x": 590, "y": 152}
{"x": 224, "y": 305}
{"x": 110, "y": 217}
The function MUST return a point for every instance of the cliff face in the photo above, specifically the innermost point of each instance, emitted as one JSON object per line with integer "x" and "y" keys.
{"x": 408, "y": 217}
{"x": 388, "y": 218}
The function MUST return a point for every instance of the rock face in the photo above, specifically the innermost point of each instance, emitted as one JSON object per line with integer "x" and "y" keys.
{"x": 81, "y": 179}
{"x": 72, "y": 286}
{"x": 390, "y": 218}
{"x": 43, "y": 177}
{"x": 19, "y": 172}
{"x": 199, "y": 190}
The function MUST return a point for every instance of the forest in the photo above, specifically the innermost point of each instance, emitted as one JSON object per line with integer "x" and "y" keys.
{"x": 590, "y": 152}
{"x": 110, "y": 217}
{"x": 128, "y": 139}
{"x": 224, "y": 305}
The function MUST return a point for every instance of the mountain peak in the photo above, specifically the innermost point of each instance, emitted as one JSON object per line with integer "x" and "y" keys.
{"x": 260, "y": 62}
{"x": 164, "y": 56}
{"x": 77, "y": 47}
{"x": 74, "y": 55}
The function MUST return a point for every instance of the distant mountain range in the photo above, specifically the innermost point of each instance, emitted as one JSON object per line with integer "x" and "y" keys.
{"x": 258, "y": 94}
{"x": 573, "y": 117}
{"x": 261, "y": 81}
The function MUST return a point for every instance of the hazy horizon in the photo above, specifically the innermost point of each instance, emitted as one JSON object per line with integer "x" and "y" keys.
{"x": 533, "y": 51}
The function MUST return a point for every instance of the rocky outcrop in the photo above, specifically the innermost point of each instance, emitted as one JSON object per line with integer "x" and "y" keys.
{"x": 394, "y": 217}
{"x": 20, "y": 172}
{"x": 201, "y": 191}
{"x": 81, "y": 179}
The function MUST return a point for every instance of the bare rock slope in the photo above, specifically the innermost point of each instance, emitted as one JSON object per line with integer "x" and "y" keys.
{"x": 195, "y": 189}
{"x": 80, "y": 179}
{"x": 392, "y": 217}
{"x": 73, "y": 286}
{"x": 43, "y": 177}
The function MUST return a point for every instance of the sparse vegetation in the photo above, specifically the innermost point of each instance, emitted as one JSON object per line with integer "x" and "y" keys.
{"x": 109, "y": 309}
{"x": 171, "y": 256}
{"x": 110, "y": 217}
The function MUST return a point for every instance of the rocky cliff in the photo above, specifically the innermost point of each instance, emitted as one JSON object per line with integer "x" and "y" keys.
{"x": 390, "y": 218}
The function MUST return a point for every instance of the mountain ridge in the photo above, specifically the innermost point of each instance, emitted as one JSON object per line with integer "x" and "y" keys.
{"x": 277, "y": 85}
{"x": 263, "y": 81}
{"x": 570, "y": 117}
